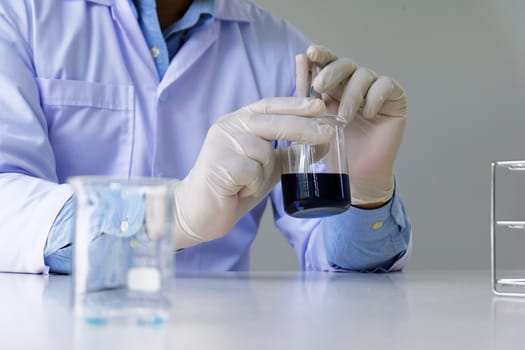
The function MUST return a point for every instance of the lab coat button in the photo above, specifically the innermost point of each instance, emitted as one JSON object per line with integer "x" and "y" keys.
{"x": 377, "y": 225}
{"x": 124, "y": 225}
{"x": 155, "y": 52}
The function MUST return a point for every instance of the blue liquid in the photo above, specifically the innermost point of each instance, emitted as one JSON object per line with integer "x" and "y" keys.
{"x": 313, "y": 195}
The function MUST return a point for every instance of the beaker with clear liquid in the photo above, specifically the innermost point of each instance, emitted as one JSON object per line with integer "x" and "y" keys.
{"x": 123, "y": 249}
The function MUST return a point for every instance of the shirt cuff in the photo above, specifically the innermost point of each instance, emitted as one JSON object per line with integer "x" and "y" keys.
{"x": 367, "y": 239}
{"x": 60, "y": 261}
{"x": 119, "y": 213}
{"x": 61, "y": 233}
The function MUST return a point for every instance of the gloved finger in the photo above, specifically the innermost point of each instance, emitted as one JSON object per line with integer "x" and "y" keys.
{"x": 334, "y": 73}
{"x": 233, "y": 173}
{"x": 256, "y": 149}
{"x": 302, "y": 81}
{"x": 255, "y": 185}
{"x": 251, "y": 177}
{"x": 320, "y": 55}
{"x": 247, "y": 175}
{"x": 302, "y": 106}
{"x": 320, "y": 151}
{"x": 289, "y": 127}
{"x": 355, "y": 91}
{"x": 263, "y": 179}
{"x": 382, "y": 91}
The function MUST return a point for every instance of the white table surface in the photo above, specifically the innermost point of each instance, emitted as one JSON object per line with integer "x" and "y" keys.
{"x": 273, "y": 310}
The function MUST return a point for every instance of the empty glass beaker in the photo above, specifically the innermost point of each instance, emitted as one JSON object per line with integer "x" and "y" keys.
{"x": 123, "y": 250}
{"x": 314, "y": 178}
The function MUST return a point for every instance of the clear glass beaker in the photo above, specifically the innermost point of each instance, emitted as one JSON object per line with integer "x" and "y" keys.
{"x": 123, "y": 249}
{"x": 314, "y": 178}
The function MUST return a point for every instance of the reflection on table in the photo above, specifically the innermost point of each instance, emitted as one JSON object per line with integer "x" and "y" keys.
{"x": 276, "y": 310}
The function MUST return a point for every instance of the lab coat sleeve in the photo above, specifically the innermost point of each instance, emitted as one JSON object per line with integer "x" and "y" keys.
{"x": 30, "y": 196}
{"x": 58, "y": 251}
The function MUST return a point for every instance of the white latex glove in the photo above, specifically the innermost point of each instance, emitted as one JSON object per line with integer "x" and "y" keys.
{"x": 238, "y": 165}
{"x": 376, "y": 108}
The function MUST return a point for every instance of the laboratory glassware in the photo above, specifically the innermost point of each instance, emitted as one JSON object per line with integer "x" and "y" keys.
{"x": 314, "y": 179}
{"x": 122, "y": 249}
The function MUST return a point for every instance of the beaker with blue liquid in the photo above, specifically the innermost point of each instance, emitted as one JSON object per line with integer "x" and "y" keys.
{"x": 314, "y": 179}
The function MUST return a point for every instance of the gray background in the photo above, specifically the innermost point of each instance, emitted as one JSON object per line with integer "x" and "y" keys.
{"x": 463, "y": 66}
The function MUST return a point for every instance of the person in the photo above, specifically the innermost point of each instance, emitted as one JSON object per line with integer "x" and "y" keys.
{"x": 196, "y": 91}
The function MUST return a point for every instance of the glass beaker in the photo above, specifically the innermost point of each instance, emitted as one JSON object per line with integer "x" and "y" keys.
{"x": 314, "y": 178}
{"x": 123, "y": 250}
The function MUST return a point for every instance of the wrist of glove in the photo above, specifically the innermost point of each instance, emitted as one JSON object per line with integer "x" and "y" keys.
{"x": 238, "y": 165}
{"x": 368, "y": 194}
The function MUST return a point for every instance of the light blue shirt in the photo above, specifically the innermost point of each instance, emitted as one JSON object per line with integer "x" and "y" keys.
{"x": 97, "y": 102}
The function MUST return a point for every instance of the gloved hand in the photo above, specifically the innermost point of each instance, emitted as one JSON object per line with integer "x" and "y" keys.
{"x": 376, "y": 109}
{"x": 238, "y": 165}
